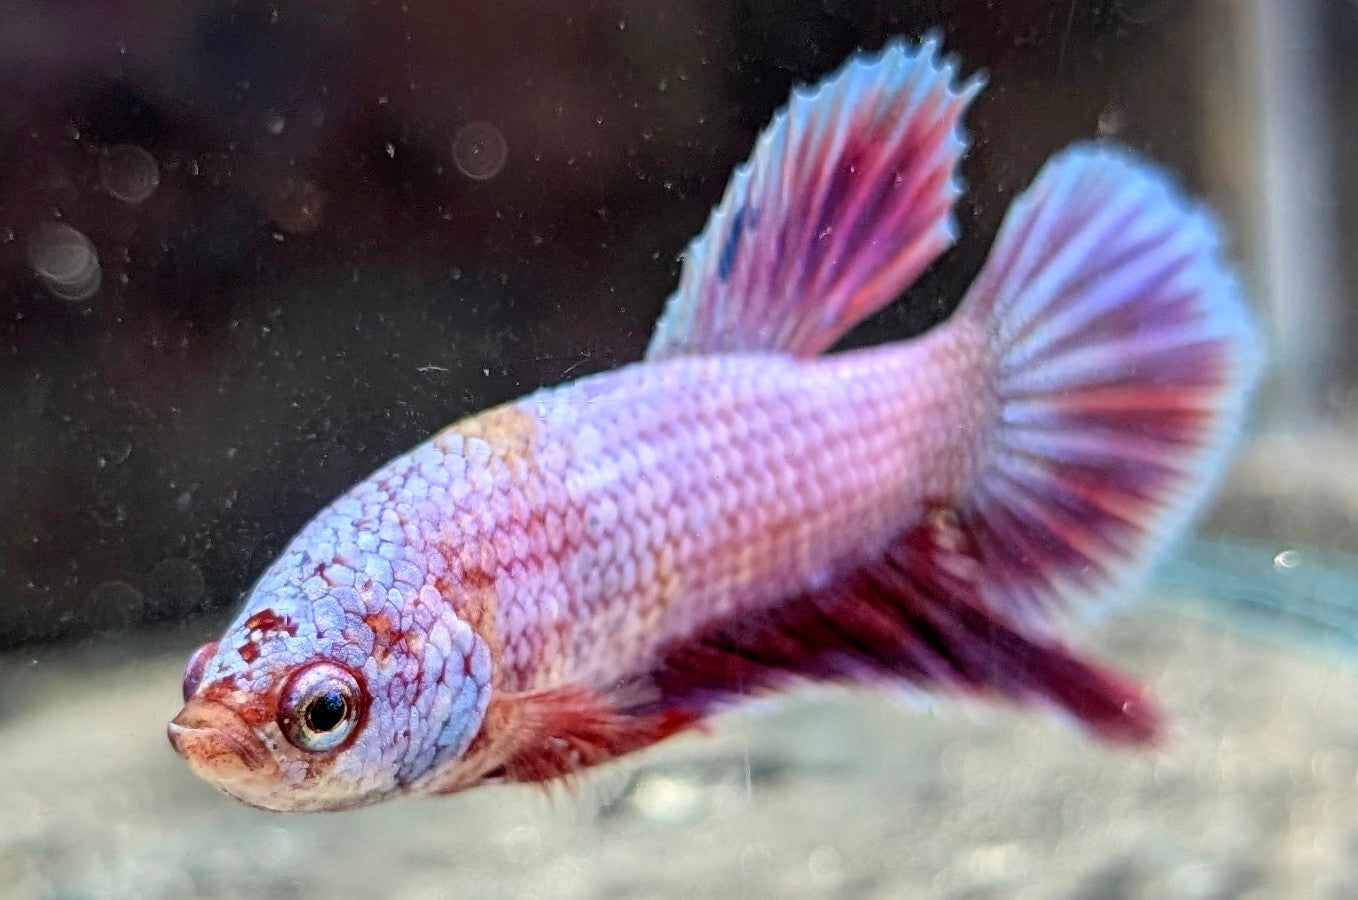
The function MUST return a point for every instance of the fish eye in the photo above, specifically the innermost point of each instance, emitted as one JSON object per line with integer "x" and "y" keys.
{"x": 193, "y": 670}
{"x": 320, "y": 707}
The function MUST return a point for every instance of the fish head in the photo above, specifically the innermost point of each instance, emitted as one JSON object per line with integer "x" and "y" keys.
{"x": 326, "y": 696}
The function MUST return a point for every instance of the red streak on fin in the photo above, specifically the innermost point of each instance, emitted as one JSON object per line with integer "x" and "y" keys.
{"x": 560, "y": 731}
{"x": 846, "y": 199}
{"x": 914, "y": 616}
{"x": 1123, "y": 356}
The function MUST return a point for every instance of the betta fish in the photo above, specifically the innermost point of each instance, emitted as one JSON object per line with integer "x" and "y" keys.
{"x": 589, "y": 570}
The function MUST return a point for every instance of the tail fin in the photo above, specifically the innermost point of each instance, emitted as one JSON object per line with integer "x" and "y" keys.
{"x": 1124, "y": 356}
{"x": 847, "y": 198}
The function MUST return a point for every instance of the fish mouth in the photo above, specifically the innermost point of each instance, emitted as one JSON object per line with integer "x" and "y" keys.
{"x": 225, "y": 751}
{"x": 218, "y": 744}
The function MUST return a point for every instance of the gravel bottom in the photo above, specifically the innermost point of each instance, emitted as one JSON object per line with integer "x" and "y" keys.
{"x": 843, "y": 795}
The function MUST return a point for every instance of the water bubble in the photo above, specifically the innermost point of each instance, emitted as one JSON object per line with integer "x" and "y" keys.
{"x": 110, "y": 450}
{"x": 65, "y": 261}
{"x": 295, "y": 204}
{"x": 174, "y": 587}
{"x": 479, "y": 150}
{"x": 1110, "y": 123}
{"x": 662, "y": 798}
{"x": 522, "y": 843}
{"x": 1287, "y": 559}
{"x": 826, "y": 867}
{"x": 115, "y": 603}
{"x": 129, "y": 173}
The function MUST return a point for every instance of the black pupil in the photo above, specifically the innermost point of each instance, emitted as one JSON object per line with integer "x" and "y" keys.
{"x": 326, "y": 711}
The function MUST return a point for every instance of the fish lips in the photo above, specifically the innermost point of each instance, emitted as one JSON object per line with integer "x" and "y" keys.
{"x": 223, "y": 749}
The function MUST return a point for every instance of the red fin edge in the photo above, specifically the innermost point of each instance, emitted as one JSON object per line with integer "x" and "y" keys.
{"x": 914, "y": 616}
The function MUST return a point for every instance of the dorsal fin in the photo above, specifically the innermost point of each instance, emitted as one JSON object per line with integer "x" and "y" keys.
{"x": 847, "y": 198}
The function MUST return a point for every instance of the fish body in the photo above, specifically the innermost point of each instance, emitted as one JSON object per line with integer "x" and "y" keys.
{"x": 578, "y": 574}
{"x": 661, "y": 495}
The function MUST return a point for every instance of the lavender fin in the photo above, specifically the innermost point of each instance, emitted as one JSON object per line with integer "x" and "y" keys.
{"x": 1124, "y": 357}
{"x": 847, "y": 198}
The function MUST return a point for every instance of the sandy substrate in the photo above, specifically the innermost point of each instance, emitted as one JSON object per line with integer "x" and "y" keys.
{"x": 848, "y": 796}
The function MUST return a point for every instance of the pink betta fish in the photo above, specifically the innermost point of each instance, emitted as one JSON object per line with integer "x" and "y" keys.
{"x": 598, "y": 566}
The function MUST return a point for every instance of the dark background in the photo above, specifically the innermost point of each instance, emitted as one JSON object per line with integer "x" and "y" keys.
{"x": 314, "y": 286}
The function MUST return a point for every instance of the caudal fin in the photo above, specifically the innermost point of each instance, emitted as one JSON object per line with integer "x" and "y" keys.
{"x": 1124, "y": 356}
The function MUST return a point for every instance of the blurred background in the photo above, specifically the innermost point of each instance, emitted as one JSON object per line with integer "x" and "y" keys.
{"x": 251, "y": 250}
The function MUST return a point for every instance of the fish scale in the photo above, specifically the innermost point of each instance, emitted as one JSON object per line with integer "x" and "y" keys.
{"x": 735, "y": 524}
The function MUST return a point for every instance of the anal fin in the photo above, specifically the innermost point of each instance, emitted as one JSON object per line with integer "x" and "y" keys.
{"x": 912, "y": 617}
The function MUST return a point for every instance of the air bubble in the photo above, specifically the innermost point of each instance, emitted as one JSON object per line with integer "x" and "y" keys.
{"x": 115, "y": 603}
{"x": 175, "y": 587}
{"x": 667, "y": 799}
{"x": 1287, "y": 559}
{"x": 826, "y": 867}
{"x": 129, "y": 173}
{"x": 479, "y": 150}
{"x": 65, "y": 261}
{"x": 296, "y": 205}
{"x": 1110, "y": 122}
{"x": 522, "y": 843}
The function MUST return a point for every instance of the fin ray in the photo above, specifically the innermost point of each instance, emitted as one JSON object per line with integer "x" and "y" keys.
{"x": 847, "y": 197}
{"x": 1123, "y": 358}
{"x": 913, "y": 617}
{"x": 555, "y": 733}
